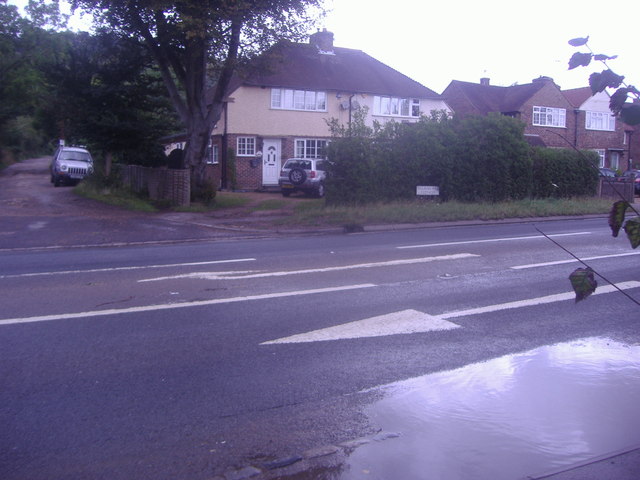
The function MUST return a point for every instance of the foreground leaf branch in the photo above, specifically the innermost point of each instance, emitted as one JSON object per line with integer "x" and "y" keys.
{"x": 583, "y": 279}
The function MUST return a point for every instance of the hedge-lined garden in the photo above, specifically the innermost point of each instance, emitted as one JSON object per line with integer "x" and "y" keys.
{"x": 472, "y": 159}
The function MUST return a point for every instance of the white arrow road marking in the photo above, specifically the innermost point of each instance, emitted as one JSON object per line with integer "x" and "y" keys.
{"x": 169, "y": 306}
{"x": 252, "y": 274}
{"x": 397, "y": 323}
{"x": 413, "y": 321}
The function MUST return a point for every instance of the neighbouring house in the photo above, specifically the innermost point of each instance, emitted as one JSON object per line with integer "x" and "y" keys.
{"x": 553, "y": 117}
{"x": 281, "y": 108}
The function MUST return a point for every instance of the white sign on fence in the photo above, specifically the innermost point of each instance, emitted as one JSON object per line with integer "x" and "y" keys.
{"x": 427, "y": 190}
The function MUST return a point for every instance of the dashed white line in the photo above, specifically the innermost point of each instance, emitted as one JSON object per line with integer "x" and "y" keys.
{"x": 573, "y": 260}
{"x": 117, "y": 269}
{"x": 492, "y": 240}
{"x": 169, "y": 306}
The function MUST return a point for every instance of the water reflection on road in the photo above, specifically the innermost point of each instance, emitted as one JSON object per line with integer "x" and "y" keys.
{"x": 507, "y": 418}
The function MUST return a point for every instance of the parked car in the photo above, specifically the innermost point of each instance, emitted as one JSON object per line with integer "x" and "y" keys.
{"x": 608, "y": 173}
{"x": 635, "y": 175}
{"x": 70, "y": 165}
{"x": 303, "y": 174}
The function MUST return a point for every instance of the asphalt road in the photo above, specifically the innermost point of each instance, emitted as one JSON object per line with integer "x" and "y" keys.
{"x": 187, "y": 359}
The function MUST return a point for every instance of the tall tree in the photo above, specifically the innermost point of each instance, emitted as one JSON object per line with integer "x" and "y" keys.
{"x": 198, "y": 44}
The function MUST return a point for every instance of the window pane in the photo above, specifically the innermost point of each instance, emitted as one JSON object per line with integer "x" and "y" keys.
{"x": 276, "y": 98}
{"x": 404, "y": 107}
{"x": 288, "y": 99}
{"x": 321, "y": 101}
{"x": 309, "y": 100}
{"x": 298, "y": 100}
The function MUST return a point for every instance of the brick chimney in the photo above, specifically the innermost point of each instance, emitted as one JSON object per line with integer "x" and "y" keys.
{"x": 486, "y": 81}
{"x": 323, "y": 40}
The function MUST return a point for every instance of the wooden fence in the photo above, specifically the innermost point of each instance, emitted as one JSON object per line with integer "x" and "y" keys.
{"x": 164, "y": 184}
{"x": 617, "y": 190}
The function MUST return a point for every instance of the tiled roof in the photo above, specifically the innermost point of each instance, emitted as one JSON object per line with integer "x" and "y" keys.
{"x": 490, "y": 98}
{"x": 577, "y": 96}
{"x": 301, "y": 66}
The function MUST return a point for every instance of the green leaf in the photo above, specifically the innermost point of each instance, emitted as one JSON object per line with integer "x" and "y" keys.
{"x": 618, "y": 99}
{"x": 602, "y": 58}
{"x": 579, "y": 59}
{"x": 583, "y": 283}
{"x": 632, "y": 228}
{"x": 599, "y": 82}
{"x": 578, "y": 42}
{"x": 616, "y": 216}
{"x": 630, "y": 114}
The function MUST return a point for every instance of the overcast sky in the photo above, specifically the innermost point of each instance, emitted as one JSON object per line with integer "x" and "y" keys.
{"x": 508, "y": 41}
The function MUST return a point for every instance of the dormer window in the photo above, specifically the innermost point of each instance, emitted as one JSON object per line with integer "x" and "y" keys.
{"x": 289, "y": 99}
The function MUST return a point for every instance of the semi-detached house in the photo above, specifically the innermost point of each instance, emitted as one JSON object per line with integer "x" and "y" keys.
{"x": 553, "y": 117}
{"x": 280, "y": 110}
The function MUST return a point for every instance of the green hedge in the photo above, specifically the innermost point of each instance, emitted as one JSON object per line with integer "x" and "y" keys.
{"x": 471, "y": 159}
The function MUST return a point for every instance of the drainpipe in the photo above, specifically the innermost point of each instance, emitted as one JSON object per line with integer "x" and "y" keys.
{"x": 223, "y": 156}
{"x": 350, "y": 109}
{"x": 629, "y": 157}
{"x": 575, "y": 127}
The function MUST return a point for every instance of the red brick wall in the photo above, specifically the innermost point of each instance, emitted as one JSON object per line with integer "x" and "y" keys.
{"x": 550, "y": 96}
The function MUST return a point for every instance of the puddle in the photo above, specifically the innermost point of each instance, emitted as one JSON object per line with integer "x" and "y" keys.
{"x": 508, "y": 418}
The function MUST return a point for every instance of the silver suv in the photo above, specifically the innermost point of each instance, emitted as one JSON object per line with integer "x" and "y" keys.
{"x": 70, "y": 165}
{"x": 303, "y": 174}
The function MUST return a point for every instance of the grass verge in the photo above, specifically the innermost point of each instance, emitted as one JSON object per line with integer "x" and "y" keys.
{"x": 421, "y": 211}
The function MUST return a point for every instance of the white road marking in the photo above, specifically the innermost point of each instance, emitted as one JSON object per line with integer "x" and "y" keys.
{"x": 169, "y": 306}
{"x": 413, "y": 321}
{"x": 573, "y": 260}
{"x": 117, "y": 269}
{"x": 492, "y": 240}
{"x": 252, "y": 274}
{"x": 396, "y": 323}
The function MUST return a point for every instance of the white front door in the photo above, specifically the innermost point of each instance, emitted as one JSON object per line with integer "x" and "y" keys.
{"x": 270, "y": 162}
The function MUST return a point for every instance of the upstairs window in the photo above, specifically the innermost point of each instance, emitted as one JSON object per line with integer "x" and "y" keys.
{"x": 396, "y": 107}
{"x": 600, "y": 121}
{"x": 307, "y": 100}
{"x": 549, "y": 117}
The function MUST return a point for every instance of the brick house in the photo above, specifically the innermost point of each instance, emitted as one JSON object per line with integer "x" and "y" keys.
{"x": 280, "y": 109}
{"x": 553, "y": 117}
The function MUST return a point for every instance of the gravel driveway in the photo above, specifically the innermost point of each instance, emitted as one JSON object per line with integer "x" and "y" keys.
{"x": 35, "y": 214}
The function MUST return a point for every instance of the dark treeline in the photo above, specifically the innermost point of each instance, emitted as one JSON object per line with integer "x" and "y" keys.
{"x": 98, "y": 90}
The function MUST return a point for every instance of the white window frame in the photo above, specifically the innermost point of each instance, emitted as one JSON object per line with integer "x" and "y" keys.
{"x": 602, "y": 121}
{"x": 601, "y": 153}
{"x": 614, "y": 159}
{"x": 549, "y": 117}
{"x": 310, "y": 147}
{"x": 213, "y": 154}
{"x": 387, "y": 106}
{"x": 299, "y": 100}
{"x": 246, "y": 146}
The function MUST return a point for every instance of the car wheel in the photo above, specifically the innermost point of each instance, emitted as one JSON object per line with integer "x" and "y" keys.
{"x": 320, "y": 191}
{"x": 56, "y": 181}
{"x": 297, "y": 176}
